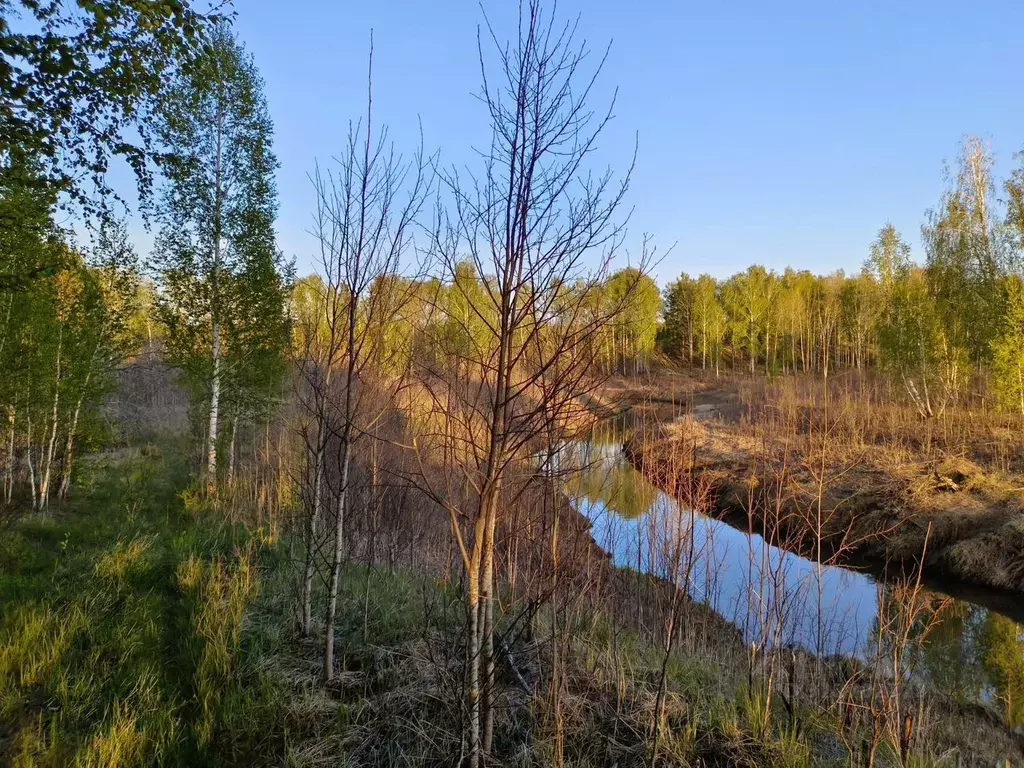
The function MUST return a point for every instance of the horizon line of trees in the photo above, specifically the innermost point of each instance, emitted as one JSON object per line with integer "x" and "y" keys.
{"x": 934, "y": 328}
{"x": 437, "y": 316}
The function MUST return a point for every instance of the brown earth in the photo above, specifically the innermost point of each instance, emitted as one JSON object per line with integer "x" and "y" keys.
{"x": 875, "y": 506}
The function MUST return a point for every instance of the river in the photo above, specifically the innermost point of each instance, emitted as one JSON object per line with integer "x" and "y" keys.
{"x": 777, "y": 597}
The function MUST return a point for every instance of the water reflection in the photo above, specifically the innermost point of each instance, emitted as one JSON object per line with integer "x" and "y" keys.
{"x": 1002, "y": 653}
{"x": 779, "y": 598}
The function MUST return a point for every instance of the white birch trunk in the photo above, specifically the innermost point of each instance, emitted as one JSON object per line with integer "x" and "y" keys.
{"x": 44, "y": 487}
{"x": 211, "y": 445}
{"x": 31, "y": 467}
{"x": 231, "y": 451}
{"x": 9, "y": 476}
{"x": 311, "y": 530}
{"x": 215, "y": 327}
{"x": 69, "y": 451}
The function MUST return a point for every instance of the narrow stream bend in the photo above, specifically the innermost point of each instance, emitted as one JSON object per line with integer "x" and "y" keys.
{"x": 777, "y": 597}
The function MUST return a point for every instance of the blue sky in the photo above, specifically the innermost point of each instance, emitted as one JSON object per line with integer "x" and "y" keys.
{"x": 780, "y": 133}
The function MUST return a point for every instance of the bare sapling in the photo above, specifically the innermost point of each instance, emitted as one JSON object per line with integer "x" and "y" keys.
{"x": 366, "y": 211}
{"x": 522, "y": 248}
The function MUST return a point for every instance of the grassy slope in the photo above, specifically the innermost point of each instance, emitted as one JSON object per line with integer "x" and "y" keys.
{"x": 120, "y": 614}
{"x": 135, "y": 630}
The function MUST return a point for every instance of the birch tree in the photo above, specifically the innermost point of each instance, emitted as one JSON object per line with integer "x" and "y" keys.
{"x": 222, "y": 286}
{"x": 749, "y": 297}
{"x": 708, "y": 319}
{"x": 679, "y": 328}
{"x": 965, "y": 260}
{"x": 63, "y": 333}
{"x": 1008, "y": 350}
{"x": 79, "y": 83}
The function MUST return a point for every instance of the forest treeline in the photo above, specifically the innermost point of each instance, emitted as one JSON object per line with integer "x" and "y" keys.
{"x": 948, "y": 329}
{"x": 438, "y": 316}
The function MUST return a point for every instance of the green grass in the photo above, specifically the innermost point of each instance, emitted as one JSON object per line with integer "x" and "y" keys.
{"x": 137, "y": 628}
{"x": 120, "y": 622}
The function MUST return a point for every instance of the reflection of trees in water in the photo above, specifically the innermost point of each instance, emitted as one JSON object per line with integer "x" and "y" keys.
{"x": 607, "y": 478}
{"x": 1003, "y": 642}
{"x": 964, "y": 650}
{"x": 952, "y": 653}
{"x": 975, "y": 655}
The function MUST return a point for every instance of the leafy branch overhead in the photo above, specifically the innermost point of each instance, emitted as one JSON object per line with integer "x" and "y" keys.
{"x": 79, "y": 83}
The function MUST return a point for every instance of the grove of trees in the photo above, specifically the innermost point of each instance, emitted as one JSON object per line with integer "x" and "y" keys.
{"x": 223, "y": 282}
{"x": 80, "y": 84}
{"x": 944, "y": 330}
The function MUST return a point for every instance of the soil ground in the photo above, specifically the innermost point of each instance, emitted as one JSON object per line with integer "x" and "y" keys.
{"x": 885, "y": 500}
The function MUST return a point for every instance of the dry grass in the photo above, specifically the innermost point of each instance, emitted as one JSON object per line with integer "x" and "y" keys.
{"x": 882, "y": 476}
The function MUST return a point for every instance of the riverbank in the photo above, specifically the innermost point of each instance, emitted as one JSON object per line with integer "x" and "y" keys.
{"x": 139, "y": 629}
{"x": 852, "y": 482}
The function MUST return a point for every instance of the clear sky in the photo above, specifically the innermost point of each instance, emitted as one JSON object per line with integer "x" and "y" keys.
{"x": 783, "y": 133}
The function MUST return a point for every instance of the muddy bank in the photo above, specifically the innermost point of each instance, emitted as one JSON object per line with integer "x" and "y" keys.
{"x": 860, "y": 511}
{"x": 977, "y": 733}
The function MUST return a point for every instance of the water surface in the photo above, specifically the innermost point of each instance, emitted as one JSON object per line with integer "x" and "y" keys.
{"x": 779, "y": 598}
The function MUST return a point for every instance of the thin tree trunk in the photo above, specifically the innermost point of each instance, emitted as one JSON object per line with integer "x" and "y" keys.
{"x": 704, "y": 347}
{"x": 1020, "y": 387}
{"x": 28, "y": 461}
{"x": 473, "y": 662}
{"x": 44, "y": 487}
{"x": 339, "y": 528}
{"x": 211, "y": 445}
{"x": 487, "y": 606}
{"x": 69, "y": 450}
{"x": 231, "y": 451}
{"x": 311, "y": 529}
{"x": 9, "y": 474}
{"x": 557, "y": 663}
{"x": 352, "y": 363}
{"x": 371, "y": 543}
{"x": 215, "y": 327}
{"x": 689, "y": 335}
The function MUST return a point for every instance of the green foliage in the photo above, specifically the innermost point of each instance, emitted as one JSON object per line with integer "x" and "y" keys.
{"x": 964, "y": 250}
{"x": 1004, "y": 659}
{"x": 1008, "y": 350}
{"x": 76, "y": 76}
{"x": 929, "y": 327}
{"x": 439, "y": 323}
{"x": 64, "y": 330}
{"x": 889, "y": 259}
{"x": 677, "y": 332}
{"x": 29, "y": 240}
{"x": 224, "y": 284}
{"x": 470, "y": 315}
{"x": 748, "y": 298}
{"x": 709, "y": 320}
{"x": 635, "y": 300}
{"x": 911, "y": 340}
{"x": 861, "y": 302}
